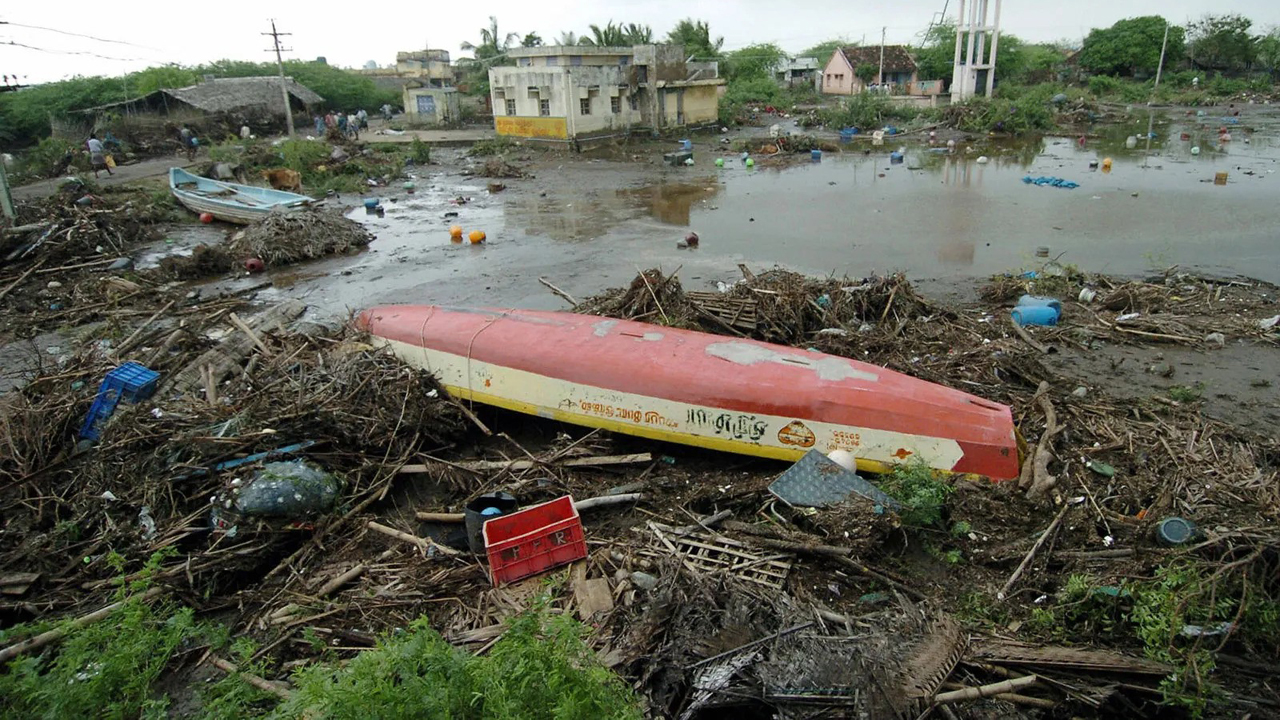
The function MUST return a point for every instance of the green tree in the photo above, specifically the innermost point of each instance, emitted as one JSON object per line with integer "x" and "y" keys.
{"x": 936, "y": 55}
{"x": 639, "y": 34}
{"x": 866, "y": 72}
{"x": 568, "y": 38}
{"x": 608, "y": 36}
{"x": 825, "y": 49}
{"x": 1268, "y": 57}
{"x": 695, "y": 35}
{"x": 1131, "y": 47}
{"x": 492, "y": 43}
{"x": 533, "y": 39}
{"x": 148, "y": 81}
{"x": 1222, "y": 42}
{"x": 752, "y": 61}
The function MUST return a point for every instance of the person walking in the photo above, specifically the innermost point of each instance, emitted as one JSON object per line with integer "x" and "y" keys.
{"x": 189, "y": 141}
{"x": 97, "y": 155}
{"x": 386, "y": 112}
{"x": 319, "y": 126}
{"x": 353, "y": 126}
{"x": 363, "y": 117}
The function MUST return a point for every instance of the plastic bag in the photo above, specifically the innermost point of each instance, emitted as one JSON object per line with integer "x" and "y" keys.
{"x": 288, "y": 489}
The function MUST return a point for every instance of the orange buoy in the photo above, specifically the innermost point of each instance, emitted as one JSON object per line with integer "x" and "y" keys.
{"x": 455, "y": 231}
{"x": 206, "y": 218}
{"x": 476, "y": 236}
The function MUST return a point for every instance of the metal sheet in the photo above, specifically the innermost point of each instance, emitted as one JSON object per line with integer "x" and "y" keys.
{"x": 817, "y": 481}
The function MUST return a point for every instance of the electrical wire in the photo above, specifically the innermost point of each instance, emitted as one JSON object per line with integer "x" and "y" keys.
{"x": 72, "y": 52}
{"x": 79, "y": 35}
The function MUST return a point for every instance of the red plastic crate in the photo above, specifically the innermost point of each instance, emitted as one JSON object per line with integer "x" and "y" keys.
{"x": 534, "y": 540}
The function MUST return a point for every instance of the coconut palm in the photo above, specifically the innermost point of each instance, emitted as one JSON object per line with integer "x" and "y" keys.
{"x": 490, "y": 45}
{"x": 568, "y": 38}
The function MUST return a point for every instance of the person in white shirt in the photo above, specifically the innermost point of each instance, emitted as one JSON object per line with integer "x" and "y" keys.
{"x": 97, "y": 155}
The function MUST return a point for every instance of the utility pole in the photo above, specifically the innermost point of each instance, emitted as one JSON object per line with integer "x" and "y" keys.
{"x": 1151, "y": 117}
{"x": 880, "y": 79}
{"x": 284, "y": 89}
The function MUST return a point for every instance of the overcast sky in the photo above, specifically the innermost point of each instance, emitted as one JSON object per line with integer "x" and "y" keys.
{"x": 351, "y": 33}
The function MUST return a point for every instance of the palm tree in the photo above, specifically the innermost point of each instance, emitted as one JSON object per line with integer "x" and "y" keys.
{"x": 489, "y": 44}
{"x": 695, "y": 35}
{"x": 568, "y": 38}
{"x": 608, "y": 36}
{"x": 639, "y": 34}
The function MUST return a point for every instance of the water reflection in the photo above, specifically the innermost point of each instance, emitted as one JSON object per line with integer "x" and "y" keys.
{"x": 673, "y": 202}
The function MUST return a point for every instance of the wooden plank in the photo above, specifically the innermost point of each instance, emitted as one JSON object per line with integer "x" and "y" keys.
{"x": 591, "y": 596}
{"x": 490, "y": 465}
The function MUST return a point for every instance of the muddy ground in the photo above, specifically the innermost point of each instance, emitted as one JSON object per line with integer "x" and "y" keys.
{"x": 1187, "y": 422}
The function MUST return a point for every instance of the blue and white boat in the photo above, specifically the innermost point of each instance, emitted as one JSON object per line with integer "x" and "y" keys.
{"x": 230, "y": 202}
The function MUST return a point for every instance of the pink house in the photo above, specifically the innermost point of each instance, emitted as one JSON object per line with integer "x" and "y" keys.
{"x": 840, "y": 78}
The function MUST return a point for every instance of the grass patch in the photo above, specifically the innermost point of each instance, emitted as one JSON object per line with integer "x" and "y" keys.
{"x": 922, "y": 494}
{"x": 491, "y": 146}
{"x": 104, "y": 669}
{"x": 1187, "y": 393}
{"x": 540, "y": 669}
{"x": 867, "y": 112}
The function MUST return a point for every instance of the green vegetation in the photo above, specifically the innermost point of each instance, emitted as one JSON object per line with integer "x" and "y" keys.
{"x": 619, "y": 35}
{"x": 24, "y": 116}
{"x": 921, "y": 492}
{"x": 104, "y": 669}
{"x": 1179, "y": 617}
{"x": 825, "y": 49}
{"x": 420, "y": 151}
{"x": 752, "y": 62}
{"x": 695, "y": 35}
{"x": 1187, "y": 393}
{"x": 541, "y": 668}
{"x": 1222, "y": 42}
{"x": 491, "y": 146}
{"x": 1131, "y": 47}
{"x": 867, "y": 112}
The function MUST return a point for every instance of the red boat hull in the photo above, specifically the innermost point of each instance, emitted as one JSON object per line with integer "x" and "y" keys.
{"x": 698, "y": 389}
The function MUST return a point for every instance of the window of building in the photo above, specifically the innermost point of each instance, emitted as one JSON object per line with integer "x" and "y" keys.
{"x": 584, "y": 106}
{"x": 624, "y": 61}
{"x": 839, "y": 77}
{"x": 526, "y": 62}
{"x": 642, "y": 73}
{"x": 615, "y": 105}
{"x": 634, "y": 101}
{"x": 575, "y": 59}
{"x": 544, "y": 108}
{"x": 552, "y": 61}
{"x": 533, "y": 92}
{"x": 511, "y": 106}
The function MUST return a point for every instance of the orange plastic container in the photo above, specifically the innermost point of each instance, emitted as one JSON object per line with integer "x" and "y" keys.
{"x": 534, "y": 540}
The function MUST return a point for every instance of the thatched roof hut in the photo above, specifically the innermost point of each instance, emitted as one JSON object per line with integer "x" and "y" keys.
{"x": 242, "y": 96}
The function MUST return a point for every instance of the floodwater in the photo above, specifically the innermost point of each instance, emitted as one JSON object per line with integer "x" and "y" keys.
{"x": 587, "y": 223}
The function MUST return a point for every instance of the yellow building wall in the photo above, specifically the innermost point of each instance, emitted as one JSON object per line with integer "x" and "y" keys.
{"x": 531, "y": 127}
{"x": 701, "y": 104}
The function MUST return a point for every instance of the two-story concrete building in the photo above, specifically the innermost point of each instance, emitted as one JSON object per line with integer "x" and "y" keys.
{"x": 582, "y": 93}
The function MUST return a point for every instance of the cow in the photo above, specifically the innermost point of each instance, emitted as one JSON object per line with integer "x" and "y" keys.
{"x": 283, "y": 179}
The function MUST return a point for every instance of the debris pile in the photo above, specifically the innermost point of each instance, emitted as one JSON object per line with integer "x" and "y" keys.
{"x": 498, "y": 167}
{"x": 282, "y": 238}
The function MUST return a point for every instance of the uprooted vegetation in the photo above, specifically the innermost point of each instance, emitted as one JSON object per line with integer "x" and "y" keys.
{"x": 282, "y": 238}
{"x": 849, "y": 609}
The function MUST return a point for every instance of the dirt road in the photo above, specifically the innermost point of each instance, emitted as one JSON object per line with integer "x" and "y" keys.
{"x": 155, "y": 167}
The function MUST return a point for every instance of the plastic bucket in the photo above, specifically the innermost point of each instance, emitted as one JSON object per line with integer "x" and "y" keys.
{"x": 815, "y": 154}
{"x": 482, "y": 509}
{"x": 1035, "y": 315}
{"x": 686, "y": 144}
{"x": 1040, "y": 301}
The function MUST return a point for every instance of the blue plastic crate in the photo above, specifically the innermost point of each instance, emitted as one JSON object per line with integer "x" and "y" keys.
{"x": 130, "y": 381}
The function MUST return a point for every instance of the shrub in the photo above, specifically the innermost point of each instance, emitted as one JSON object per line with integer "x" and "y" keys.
{"x": 1101, "y": 85}
{"x": 867, "y": 111}
{"x": 920, "y": 491}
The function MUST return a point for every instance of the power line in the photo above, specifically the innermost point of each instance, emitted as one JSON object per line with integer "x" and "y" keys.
{"x": 72, "y": 52}
{"x": 79, "y": 35}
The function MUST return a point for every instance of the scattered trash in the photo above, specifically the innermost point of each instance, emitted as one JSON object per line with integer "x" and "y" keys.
{"x": 643, "y": 580}
{"x": 1194, "y": 631}
{"x": 533, "y": 540}
{"x": 1216, "y": 338}
{"x": 147, "y": 522}
{"x": 130, "y": 382}
{"x": 1087, "y": 295}
{"x": 1220, "y": 178}
{"x": 287, "y": 489}
{"x": 1269, "y": 323}
{"x": 123, "y": 263}
{"x": 1100, "y": 468}
{"x": 1080, "y": 391}
{"x": 1051, "y": 182}
{"x": 1175, "y": 531}
{"x": 816, "y": 480}
{"x": 983, "y": 160}
{"x": 476, "y": 237}
{"x": 482, "y": 509}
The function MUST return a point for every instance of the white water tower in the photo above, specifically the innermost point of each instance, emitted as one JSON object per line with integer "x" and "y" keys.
{"x": 973, "y": 52}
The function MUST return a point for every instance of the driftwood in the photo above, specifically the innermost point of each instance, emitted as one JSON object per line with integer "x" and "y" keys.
{"x": 254, "y": 680}
{"x": 1053, "y": 526}
{"x": 490, "y": 465}
{"x": 1035, "y": 477}
{"x": 223, "y": 359}
{"x": 982, "y": 691}
{"x": 558, "y": 292}
{"x": 57, "y": 633}
{"x": 422, "y": 543}
{"x": 580, "y": 505}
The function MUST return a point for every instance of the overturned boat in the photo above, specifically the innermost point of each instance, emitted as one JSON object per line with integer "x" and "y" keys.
{"x": 694, "y": 388}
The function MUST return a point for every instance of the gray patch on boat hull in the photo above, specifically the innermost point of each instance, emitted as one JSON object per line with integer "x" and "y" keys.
{"x": 826, "y": 367}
